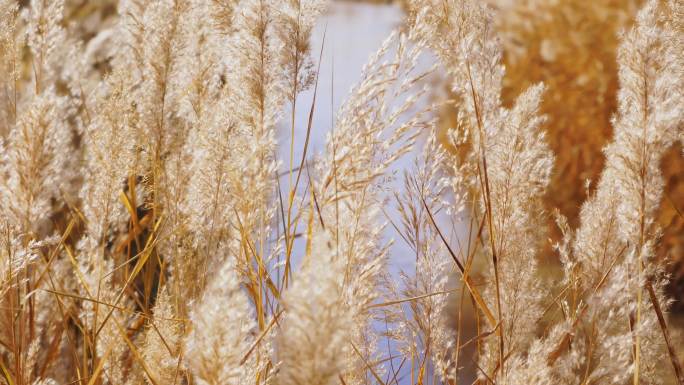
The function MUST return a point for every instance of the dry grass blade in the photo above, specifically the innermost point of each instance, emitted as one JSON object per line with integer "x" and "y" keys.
{"x": 679, "y": 374}
{"x": 415, "y": 298}
{"x": 95, "y": 376}
{"x": 5, "y": 373}
{"x": 136, "y": 354}
{"x": 471, "y": 287}
{"x": 368, "y": 366}
{"x": 261, "y": 337}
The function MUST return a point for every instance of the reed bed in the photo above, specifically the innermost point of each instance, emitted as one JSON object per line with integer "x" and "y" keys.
{"x": 150, "y": 234}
